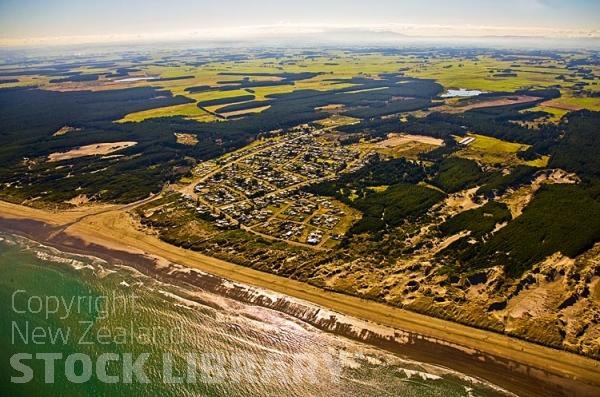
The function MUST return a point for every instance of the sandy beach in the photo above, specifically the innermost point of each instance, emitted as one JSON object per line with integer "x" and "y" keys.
{"x": 521, "y": 367}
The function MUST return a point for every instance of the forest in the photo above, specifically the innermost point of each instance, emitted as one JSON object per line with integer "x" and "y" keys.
{"x": 560, "y": 218}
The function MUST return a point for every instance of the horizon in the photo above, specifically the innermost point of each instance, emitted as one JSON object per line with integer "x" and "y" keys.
{"x": 33, "y": 23}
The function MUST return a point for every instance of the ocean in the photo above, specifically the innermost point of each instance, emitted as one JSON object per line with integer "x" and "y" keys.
{"x": 109, "y": 330}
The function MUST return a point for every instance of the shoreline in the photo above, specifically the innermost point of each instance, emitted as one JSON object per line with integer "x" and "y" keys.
{"x": 521, "y": 367}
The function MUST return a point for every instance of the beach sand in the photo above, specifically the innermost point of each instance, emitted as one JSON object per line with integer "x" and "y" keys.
{"x": 521, "y": 367}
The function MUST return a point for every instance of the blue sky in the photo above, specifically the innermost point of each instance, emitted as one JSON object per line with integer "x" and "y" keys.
{"x": 56, "y": 18}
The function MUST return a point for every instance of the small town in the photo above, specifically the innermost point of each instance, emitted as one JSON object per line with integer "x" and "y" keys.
{"x": 259, "y": 188}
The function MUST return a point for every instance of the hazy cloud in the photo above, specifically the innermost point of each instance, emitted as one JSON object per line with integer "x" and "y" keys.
{"x": 37, "y": 21}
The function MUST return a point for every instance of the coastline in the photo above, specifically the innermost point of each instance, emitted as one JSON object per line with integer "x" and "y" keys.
{"x": 518, "y": 366}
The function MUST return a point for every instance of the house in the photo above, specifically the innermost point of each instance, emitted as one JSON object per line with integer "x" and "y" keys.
{"x": 466, "y": 141}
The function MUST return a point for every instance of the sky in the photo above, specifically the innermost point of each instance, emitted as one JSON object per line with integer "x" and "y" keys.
{"x": 49, "y": 21}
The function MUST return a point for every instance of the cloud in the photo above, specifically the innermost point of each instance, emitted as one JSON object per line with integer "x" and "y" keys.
{"x": 385, "y": 33}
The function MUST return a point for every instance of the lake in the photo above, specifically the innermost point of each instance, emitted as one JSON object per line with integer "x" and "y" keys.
{"x": 461, "y": 93}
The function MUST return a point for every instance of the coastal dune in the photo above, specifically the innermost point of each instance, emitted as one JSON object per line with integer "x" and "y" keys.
{"x": 521, "y": 367}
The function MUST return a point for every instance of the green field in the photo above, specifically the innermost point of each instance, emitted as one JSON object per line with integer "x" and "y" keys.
{"x": 481, "y": 72}
{"x": 489, "y": 150}
{"x": 189, "y": 111}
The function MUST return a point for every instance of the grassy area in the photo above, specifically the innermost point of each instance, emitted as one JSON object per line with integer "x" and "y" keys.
{"x": 540, "y": 162}
{"x": 378, "y": 189}
{"x": 571, "y": 102}
{"x": 489, "y": 144}
{"x": 216, "y": 95}
{"x": 488, "y": 150}
{"x": 556, "y": 113}
{"x": 336, "y": 120}
{"x": 477, "y": 74}
{"x": 188, "y": 110}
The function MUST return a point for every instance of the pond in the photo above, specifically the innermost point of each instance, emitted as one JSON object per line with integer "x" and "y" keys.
{"x": 461, "y": 93}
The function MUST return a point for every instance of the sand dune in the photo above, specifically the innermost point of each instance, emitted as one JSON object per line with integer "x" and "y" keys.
{"x": 90, "y": 150}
